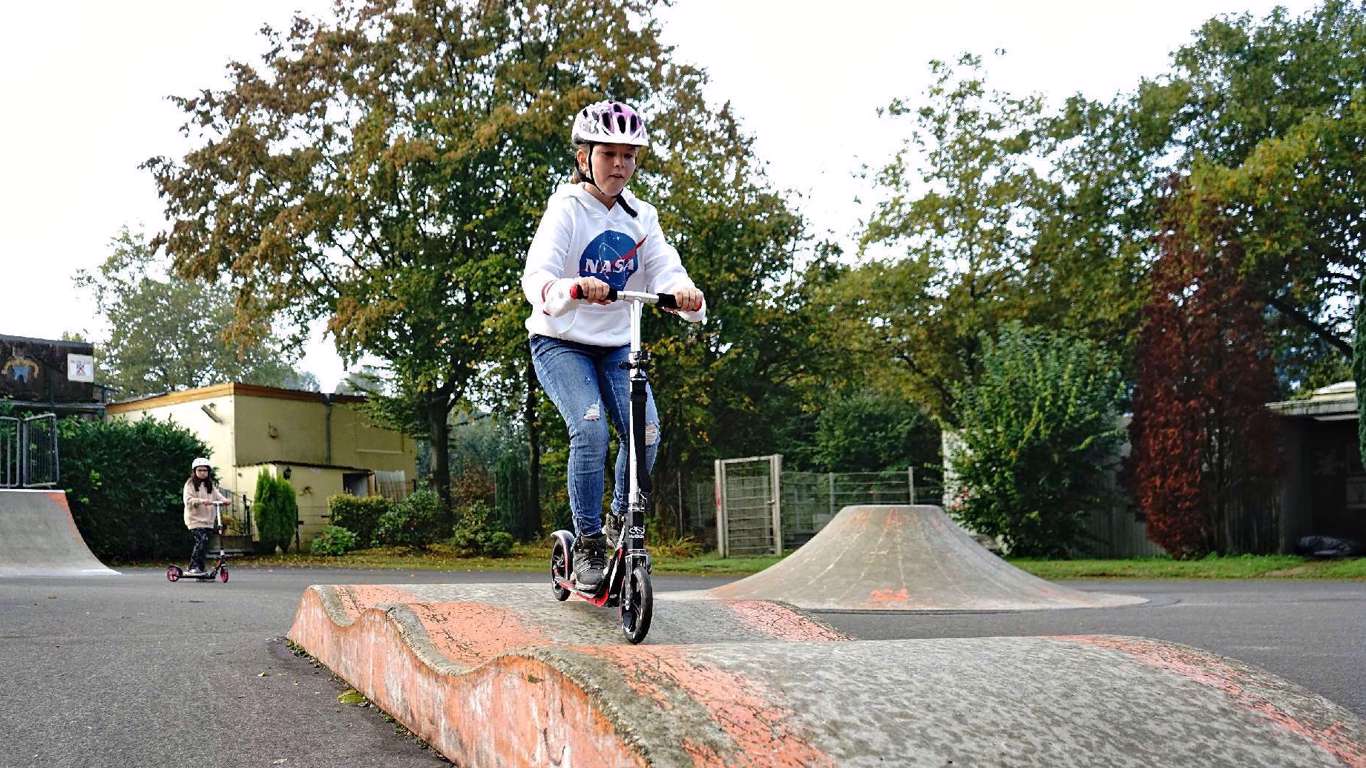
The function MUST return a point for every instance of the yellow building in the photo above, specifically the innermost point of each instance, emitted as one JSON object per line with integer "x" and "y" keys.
{"x": 322, "y": 444}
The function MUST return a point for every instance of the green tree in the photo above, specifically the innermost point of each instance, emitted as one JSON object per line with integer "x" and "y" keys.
{"x": 124, "y": 481}
{"x": 1040, "y": 438}
{"x": 961, "y": 200}
{"x": 386, "y": 168}
{"x": 166, "y": 332}
{"x": 1273, "y": 126}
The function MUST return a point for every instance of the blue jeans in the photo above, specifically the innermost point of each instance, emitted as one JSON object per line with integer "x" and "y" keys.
{"x": 587, "y": 383}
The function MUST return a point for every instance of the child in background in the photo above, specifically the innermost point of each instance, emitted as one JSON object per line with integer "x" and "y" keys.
{"x": 200, "y": 496}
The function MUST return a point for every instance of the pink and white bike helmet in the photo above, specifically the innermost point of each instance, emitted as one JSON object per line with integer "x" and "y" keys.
{"x": 609, "y": 122}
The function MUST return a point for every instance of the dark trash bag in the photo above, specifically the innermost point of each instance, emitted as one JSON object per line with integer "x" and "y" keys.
{"x": 1327, "y": 546}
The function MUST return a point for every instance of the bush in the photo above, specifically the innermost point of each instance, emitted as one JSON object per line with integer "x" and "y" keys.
{"x": 333, "y": 540}
{"x": 360, "y": 514}
{"x": 123, "y": 480}
{"x": 276, "y": 510}
{"x": 476, "y": 535}
{"x": 414, "y": 522}
{"x": 518, "y": 512}
{"x": 1040, "y": 432}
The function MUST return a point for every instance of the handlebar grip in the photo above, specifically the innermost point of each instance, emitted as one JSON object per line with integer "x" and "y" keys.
{"x": 576, "y": 292}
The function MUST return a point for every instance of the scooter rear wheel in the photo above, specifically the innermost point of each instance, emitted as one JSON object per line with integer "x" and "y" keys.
{"x": 559, "y": 570}
{"x": 637, "y": 611}
{"x": 173, "y": 573}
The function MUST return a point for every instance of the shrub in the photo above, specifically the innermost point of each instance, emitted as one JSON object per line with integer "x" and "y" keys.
{"x": 276, "y": 510}
{"x": 518, "y": 512}
{"x": 123, "y": 481}
{"x": 1040, "y": 432}
{"x": 414, "y": 522}
{"x": 360, "y": 514}
{"x": 476, "y": 535}
{"x": 333, "y": 540}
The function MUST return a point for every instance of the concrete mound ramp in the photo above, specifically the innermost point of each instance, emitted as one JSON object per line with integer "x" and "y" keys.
{"x": 502, "y": 675}
{"x": 905, "y": 558}
{"x": 38, "y": 537}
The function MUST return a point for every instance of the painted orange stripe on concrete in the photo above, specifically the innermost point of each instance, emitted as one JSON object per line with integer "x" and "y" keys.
{"x": 514, "y": 711}
{"x": 354, "y": 600}
{"x": 1208, "y": 670}
{"x": 782, "y": 623}
{"x": 762, "y": 733}
{"x": 473, "y": 633}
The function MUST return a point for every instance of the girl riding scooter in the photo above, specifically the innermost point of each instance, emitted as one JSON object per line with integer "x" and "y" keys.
{"x": 596, "y": 236}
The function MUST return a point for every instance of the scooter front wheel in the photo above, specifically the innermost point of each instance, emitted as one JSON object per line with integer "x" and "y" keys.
{"x": 559, "y": 569}
{"x": 223, "y": 575}
{"x": 637, "y": 610}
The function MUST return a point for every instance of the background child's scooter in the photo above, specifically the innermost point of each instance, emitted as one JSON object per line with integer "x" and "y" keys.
{"x": 219, "y": 571}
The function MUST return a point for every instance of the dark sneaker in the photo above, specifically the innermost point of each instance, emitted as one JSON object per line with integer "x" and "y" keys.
{"x": 590, "y": 560}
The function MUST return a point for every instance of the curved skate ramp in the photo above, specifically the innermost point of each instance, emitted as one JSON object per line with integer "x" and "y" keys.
{"x": 905, "y": 558}
{"x": 38, "y": 537}
{"x": 504, "y": 675}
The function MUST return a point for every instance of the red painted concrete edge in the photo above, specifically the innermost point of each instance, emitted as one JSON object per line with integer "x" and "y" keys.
{"x": 1236, "y": 682}
{"x": 514, "y": 710}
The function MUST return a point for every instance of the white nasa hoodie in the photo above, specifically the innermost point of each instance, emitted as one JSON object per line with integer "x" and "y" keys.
{"x": 580, "y": 237}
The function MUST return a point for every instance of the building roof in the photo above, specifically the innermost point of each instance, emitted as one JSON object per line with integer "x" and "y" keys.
{"x": 1335, "y": 402}
{"x": 83, "y": 346}
{"x": 308, "y": 464}
{"x": 231, "y": 389}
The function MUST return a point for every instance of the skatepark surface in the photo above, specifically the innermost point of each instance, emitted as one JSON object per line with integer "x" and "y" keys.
{"x": 38, "y": 537}
{"x": 505, "y": 675}
{"x": 905, "y": 558}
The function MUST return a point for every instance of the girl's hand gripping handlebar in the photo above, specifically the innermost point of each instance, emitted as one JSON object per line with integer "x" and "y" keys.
{"x": 663, "y": 300}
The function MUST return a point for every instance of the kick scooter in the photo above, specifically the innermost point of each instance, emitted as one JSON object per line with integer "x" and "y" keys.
{"x": 626, "y": 583}
{"x": 220, "y": 569}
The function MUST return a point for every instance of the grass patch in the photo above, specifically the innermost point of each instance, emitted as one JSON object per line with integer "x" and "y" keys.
{"x": 681, "y": 560}
{"x": 1213, "y": 567}
{"x": 529, "y": 558}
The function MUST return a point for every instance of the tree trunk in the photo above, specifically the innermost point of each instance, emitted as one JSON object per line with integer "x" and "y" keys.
{"x": 438, "y": 408}
{"x": 533, "y": 436}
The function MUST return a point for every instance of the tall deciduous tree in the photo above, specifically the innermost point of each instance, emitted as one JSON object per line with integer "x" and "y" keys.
{"x": 1040, "y": 439}
{"x": 1272, "y": 122}
{"x": 1202, "y": 437}
{"x": 962, "y": 198}
{"x": 385, "y": 169}
{"x": 166, "y": 333}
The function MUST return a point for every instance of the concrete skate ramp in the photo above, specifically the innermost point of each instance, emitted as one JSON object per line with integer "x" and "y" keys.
{"x": 39, "y": 538}
{"x": 503, "y": 675}
{"x": 905, "y": 558}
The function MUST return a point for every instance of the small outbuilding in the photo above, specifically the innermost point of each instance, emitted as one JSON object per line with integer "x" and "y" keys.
{"x": 1322, "y": 484}
{"x": 323, "y": 444}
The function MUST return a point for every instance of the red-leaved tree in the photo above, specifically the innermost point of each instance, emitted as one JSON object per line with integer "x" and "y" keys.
{"x": 1202, "y": 438}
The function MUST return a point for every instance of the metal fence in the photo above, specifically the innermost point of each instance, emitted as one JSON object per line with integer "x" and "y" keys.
{"x": 28, "y": 451}
{"x": 760, "y": 508}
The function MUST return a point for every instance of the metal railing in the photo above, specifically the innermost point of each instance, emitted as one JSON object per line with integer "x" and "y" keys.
{"x": 28, "y": 451}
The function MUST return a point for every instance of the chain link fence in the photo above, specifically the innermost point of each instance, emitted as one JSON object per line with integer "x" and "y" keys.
{"x": 757, "y": 497}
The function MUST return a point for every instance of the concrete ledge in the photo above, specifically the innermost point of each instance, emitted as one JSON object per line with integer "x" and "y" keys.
{"x": 505, "y": 675}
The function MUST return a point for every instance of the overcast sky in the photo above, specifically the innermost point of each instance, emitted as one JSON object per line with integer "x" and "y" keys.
{"x": 82, "y": 89}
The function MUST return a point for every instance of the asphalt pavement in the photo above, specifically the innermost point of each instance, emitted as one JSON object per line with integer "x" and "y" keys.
{"x": 136, "y": 671}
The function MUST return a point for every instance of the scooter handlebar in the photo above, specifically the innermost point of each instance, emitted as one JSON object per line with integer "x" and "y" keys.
{"x": 663, "y": 300}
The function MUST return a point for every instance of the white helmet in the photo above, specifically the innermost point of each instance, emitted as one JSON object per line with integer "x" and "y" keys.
{"x": 609, "y": 122}
{"x": 201, "y": 462}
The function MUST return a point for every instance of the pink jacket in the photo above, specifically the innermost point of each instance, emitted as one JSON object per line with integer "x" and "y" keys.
{"x": 198, "y": 510}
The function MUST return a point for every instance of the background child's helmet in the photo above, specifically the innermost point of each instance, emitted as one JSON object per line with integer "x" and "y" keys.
{"x": 609, "y": 122}
{"x": 199, "y": 463}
